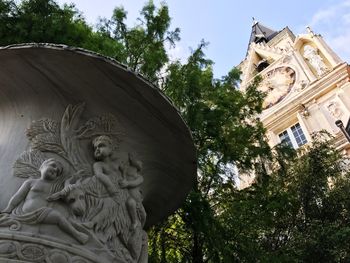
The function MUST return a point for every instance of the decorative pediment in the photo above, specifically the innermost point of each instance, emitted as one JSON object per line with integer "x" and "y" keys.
{"x": 260, "y": 56}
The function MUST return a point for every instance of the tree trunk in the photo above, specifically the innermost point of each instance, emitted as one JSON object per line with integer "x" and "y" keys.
{"x": 197, "y": 250}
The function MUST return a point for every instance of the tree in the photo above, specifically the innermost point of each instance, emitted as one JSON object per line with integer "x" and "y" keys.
{"x": 143, "y": 47}
{"x": 41, "y": 21}
{"x": 44, "y": 21}
{"x": 301, "y": 215}
{"x": 227, "y": 134}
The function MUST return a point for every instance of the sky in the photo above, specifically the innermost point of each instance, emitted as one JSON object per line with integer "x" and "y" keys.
{"x": 226, "y": 24}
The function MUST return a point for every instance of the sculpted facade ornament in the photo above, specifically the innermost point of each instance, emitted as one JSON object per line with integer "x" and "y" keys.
{"x": 315, "y": 60}
{"x": 277, "y": 83}
{"x": 93, "y": 195}
{"x": 334, "y": 109}
{"x": 287, "y": 59}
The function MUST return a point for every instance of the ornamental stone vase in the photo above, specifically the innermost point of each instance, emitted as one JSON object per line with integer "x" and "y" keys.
{"x": 91, "y": 155}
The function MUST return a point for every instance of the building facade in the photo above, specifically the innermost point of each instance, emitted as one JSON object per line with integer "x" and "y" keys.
{"x": 306, "y": 83}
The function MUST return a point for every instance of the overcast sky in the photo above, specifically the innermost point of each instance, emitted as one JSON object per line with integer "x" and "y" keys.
{"x": 226, "y": 24}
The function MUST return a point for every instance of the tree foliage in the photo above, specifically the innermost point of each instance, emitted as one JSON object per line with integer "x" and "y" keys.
{"x": 227, "y": 135}
{"x": 301, "y": 215}
{"x": 143, "y": 47}
{"x": 41, "y": 21}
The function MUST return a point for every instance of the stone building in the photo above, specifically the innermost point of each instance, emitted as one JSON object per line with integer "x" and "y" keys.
{"x": 307, "y": 85}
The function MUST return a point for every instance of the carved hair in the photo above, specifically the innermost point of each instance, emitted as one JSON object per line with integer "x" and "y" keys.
{"x": 58, "y": 164}
{"x": 104, "y": 138}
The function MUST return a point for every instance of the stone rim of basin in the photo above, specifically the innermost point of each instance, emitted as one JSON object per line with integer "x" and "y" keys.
{"x": 170, "y": 163}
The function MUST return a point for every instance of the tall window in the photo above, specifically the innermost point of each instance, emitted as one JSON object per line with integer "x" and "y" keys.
{"x": 293, "y": 136}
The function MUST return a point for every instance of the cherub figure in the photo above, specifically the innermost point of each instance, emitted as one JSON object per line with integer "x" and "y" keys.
{"x": 132, "y": 180}
{"x": 106, "y": 169}
{"x": 34, "y": 194}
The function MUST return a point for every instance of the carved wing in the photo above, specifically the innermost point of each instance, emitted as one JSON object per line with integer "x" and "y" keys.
{"x": 28, "y": 164}
{"x": 44, "y": 136}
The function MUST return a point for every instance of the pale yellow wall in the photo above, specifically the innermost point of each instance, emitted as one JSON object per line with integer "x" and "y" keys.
{"x": 318, "y": 97}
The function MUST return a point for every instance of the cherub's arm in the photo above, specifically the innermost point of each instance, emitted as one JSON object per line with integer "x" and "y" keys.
{"x": 135, "y": 163}
{"x": 98, "y": 171}
{"x": 19, "y": 196}
{"x": 61, "y": 194}
{"x": 132, "y": 183}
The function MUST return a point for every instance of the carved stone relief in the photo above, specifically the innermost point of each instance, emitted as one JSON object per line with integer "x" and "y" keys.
{"x": 287, "y": 59}
{"x": 277, "y": 83}
{"x": 334, "y": 109}
{"x": 32, "y": 252}
{"x": 315, "y": 60}
{"x": 97, "y": 203}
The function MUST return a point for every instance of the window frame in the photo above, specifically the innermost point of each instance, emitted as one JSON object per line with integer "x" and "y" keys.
{"x": 292, "y": 137}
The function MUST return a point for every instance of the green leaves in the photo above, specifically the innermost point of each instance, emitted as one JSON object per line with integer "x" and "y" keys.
{"x": 42, "y": 21}
{"x": 227, "y": 135}
{"x": 300, "y": 215}
{"x": 143, "y": 47}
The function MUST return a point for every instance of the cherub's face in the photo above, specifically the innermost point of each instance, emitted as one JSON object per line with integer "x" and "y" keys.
{"x": 102, "y": 149}
{"x": 49, "y": 171}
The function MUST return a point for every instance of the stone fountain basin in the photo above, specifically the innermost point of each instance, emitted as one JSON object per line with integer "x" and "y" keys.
{"x": 40, "y": 80}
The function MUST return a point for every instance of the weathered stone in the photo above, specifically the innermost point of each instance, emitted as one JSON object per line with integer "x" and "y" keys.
{"x": 88, "y": 148}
